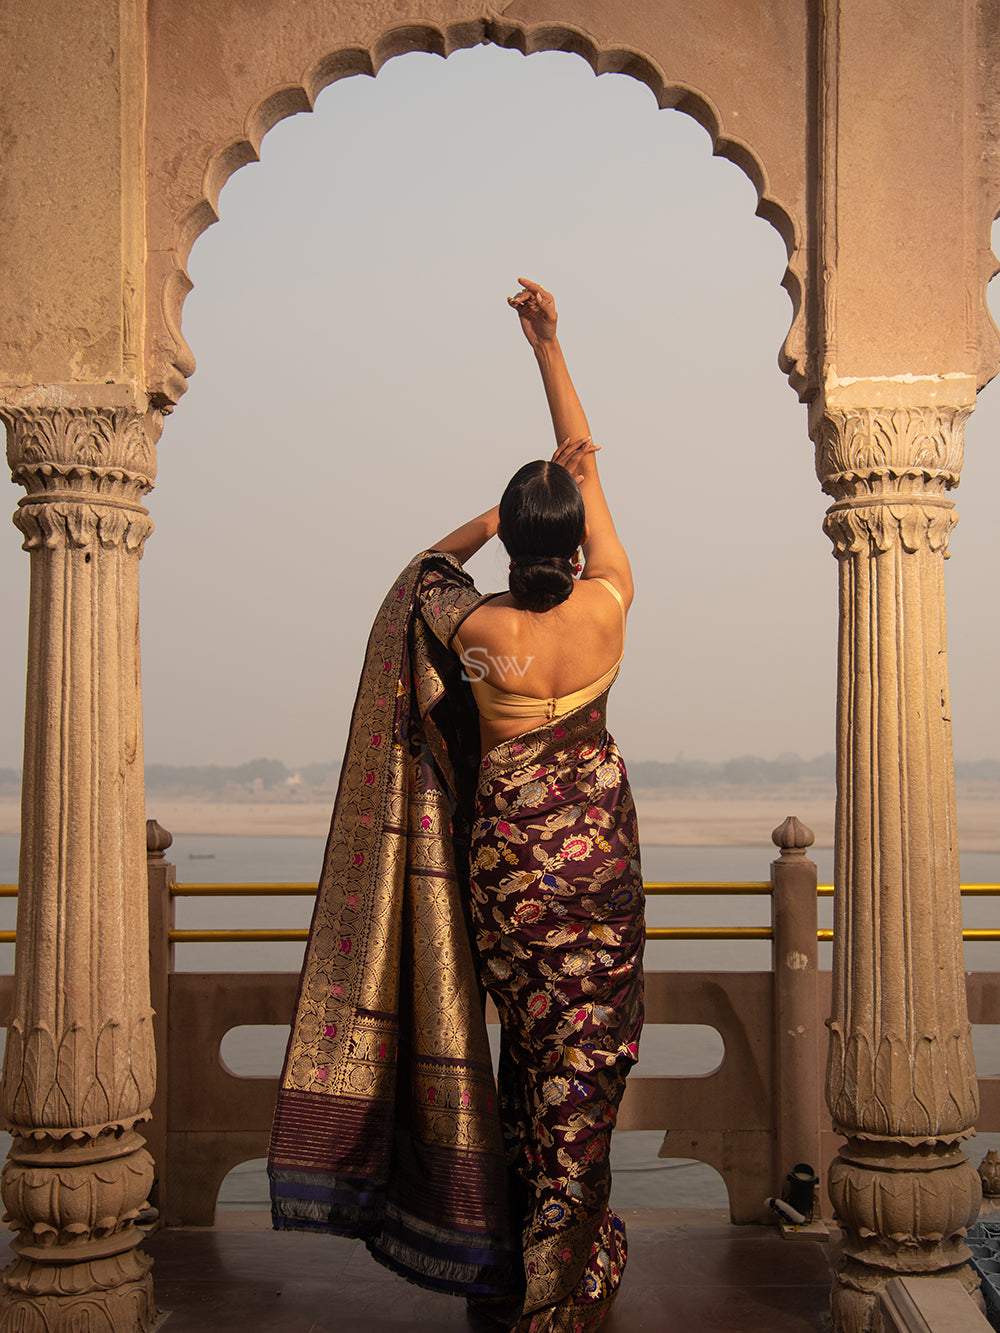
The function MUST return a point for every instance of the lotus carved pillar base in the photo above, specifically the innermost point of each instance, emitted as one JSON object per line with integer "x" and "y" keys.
{"x": 78, "y": 1075}
{"x": 74, "y": 1205}
{"x": 900, "y": 1077}
{"x": 904, "y": 1209}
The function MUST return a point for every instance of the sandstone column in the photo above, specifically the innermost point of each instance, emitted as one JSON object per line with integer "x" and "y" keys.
{"x": 79, "y": 1072}
{"x": 900, "y": 1079}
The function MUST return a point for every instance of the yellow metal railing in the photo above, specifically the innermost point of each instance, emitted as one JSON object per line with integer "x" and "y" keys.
{"x": 743, "y": 888}
{"x": 655, "y": 888}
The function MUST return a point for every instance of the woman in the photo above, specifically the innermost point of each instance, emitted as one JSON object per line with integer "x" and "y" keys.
{"x": 555, "y": 878}
{"x": 507, "y": 800}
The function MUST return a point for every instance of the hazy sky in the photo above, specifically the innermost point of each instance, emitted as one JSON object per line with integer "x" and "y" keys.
{"x": 362, "y": 388}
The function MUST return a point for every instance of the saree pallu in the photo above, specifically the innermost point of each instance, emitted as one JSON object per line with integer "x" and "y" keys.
{"x": 557, "y": 902}
{"x": 386, "y": 1125}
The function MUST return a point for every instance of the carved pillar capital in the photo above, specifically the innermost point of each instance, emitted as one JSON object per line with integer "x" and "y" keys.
{"x": 85, "y": 469}
{"x": 893, "y": 443}
{"x": 888, "y": 471}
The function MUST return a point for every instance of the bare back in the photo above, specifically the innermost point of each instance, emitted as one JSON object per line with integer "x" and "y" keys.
{"x": 541, "y": 654}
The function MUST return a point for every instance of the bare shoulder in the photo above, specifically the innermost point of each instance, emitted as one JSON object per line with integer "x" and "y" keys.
{"x": 498, "y": 607}
{"x": 492, "y": 614}
{"x": 592, "y": 596}
{"x": 604, "y": 593}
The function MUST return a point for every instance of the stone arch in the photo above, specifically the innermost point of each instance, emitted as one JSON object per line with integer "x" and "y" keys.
{"x": 878, "y": 135}
{"x": 170, "y": 360}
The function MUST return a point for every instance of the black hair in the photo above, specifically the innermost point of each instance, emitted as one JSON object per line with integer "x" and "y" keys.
{"x": 542, "y": 520}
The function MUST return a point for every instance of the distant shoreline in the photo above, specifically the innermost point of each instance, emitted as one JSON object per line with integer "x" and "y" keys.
{"x": 714, "y": 817}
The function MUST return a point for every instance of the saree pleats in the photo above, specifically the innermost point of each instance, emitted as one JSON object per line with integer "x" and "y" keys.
{"x": 520, "y": 873}
{"x": 558, "y": 909}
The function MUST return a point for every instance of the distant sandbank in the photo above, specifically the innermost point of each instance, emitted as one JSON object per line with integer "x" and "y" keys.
{"x": 716, "y": 817}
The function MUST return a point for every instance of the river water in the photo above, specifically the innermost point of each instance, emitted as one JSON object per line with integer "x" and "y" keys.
{"x": 641, "y": 1178}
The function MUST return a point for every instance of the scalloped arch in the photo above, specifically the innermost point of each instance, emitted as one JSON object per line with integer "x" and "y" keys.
{"x": 173, "y": 360}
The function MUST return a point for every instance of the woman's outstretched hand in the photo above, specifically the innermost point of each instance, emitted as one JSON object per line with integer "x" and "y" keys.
{"x": 571, "y": 453}
{"x": 536, "y": 309}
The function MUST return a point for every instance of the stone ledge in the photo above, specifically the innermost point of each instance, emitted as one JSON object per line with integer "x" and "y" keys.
{"x": 930, "y": 1305}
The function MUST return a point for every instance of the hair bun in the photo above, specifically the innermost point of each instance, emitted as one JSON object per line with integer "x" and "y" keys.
{"x": 541, "y": 581}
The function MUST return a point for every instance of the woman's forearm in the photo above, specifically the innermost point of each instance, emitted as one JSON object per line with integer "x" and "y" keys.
{"x": 603, "y": 550}
{"x": 465, "y": 541}
{"x": 569, "y": 421}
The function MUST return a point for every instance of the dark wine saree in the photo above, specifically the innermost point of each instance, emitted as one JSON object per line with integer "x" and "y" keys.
{"x": 525, "y": 869}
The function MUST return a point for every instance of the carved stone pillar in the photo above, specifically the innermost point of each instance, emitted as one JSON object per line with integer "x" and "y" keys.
{"x": 79, "y": 1073}
{"x": 900, "y": 1078}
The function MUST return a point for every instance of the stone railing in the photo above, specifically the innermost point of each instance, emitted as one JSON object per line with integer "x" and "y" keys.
{"x": 752, "y": 1119}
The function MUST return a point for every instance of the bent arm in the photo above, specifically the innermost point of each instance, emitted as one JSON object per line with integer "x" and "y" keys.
{"x": 465, "y": 541}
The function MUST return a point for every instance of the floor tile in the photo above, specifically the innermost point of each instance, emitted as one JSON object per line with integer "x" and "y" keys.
{"x": 688, "y": 1269}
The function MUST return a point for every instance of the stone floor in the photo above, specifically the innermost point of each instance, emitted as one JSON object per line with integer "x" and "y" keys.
{"x": 689, "y": 1271}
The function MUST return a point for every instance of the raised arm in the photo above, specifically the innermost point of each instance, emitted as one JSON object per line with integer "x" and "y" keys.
{"x": 606, "y": 557}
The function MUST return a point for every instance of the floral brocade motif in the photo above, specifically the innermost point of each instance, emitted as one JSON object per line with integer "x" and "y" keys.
{"x": 557, "y": 903}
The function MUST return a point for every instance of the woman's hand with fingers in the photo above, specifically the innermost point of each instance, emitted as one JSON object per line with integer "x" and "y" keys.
{"x": 536, "y": 309}
{"x": 571, "y": 453}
